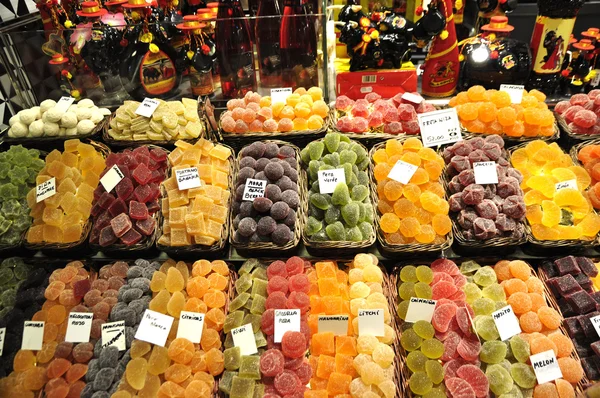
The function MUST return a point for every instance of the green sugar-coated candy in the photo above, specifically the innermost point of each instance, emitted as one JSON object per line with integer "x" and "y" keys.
{"x": 361, "y": 153}
{"x": 353, "y": 234}
{"x": 347, "y": 156}
{"x": 320, "y": 236}
{"x": 340, "y": 196}
{"x": 424, "y": 330}
{"x": 363, "y": 178}
{"x": 500, "y": 304}
{"x": 359, "y": 193}
{"x": 259, "y": 390}
{"x": 406, "y": 290}
{"x": 523, "y": 375}
{"x": 332, "y": 215}
{"x": 248, "y": 305}
{"x": 423, "y": 290}
{"x": 343, "y": 145}
{"x": 313, "y": 225}
{"x": 242, "y": 387}
{"x": 233, "y": 320}
{"x": 485, "y": 276}
{"x": 350, "y": 214}
{"x": 492, "y": 352}
{"x": 369, "y": 214}
{"x": 243, "y": 283}
{"x": 408, "y": 273}
{"x": 321, "y": 201}
{"x": 332, "y": 160}
{"x": 228, "y": 341}
{"x": 435, "y": 371}
{"x": 416, "y": 361}
{"x": 494, "y": 292}
{"x": 250, "y": 367}
{"x": 436, "y": 392}
{"x": 261, "y": 340}
{"x": 402, "y": 308}
{"x": 225, "y": 381}
{"x": 486, "y": 328}
{"x": 420, "y": 383}
{"x": 410, "y": 340}
{"x": 315, "y": 149}
{"x": 527, "y": 392}
{"x": 424, "y": 274}
{"x": 313, "y": 170}
{"x": 248, "y": 266}
{"x": 366, "y": 229}
{"x": 254, "y": 320}
{"x": 469, "y": 267}
{"x": 505, "y": 364}
{"x": 233, "y": 358}
{"x": 260, "y": 273}
{"x": 483, "y": 306}
{"x": 258, "y": 305}
{"x": 520, "y": 348}
{"x": 515, "y": 392}
{"x": 238, "y": 302}
{"x": 500, "y": 380}
{"x": 259, "y": 288}
{"x": 348, "y": 173}
{"x": 343, "y": 139}
{"x": 336, "y": 231}
{"x": 332, "y": 142}
{"x": 472, "y": 292}
{"x": 432, "y": 348}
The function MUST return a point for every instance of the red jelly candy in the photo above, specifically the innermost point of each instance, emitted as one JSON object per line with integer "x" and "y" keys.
{"x": 277, "y": 284}
{"x": 124, "y": 188}
{"x": 293, "y": 363}
{"x": 304, "y": 373}
{"x": 459, "y": 296}
{"x": 271, "y": 363}
{"x": 459, "y": 388}
{"x": 142, "y": 174}
{"x": 407, "y": 112}
{"x": 267, "y": 323}
{"x": 561, "y": 107}
{"x": 293, "y": 344}
{"x": 443, "y": 316}
{"x": 131, "y": 237}
{"x": 451, "y": 341}
{"x": 464, "y": 323}
{"x": 294, "y": 265}
{"x": 452, "y": 366}
{"x": 147, "y": 226}
{"x": 579, "y": 99}
{"x": 158, "y": 155}
{"x": 287, "y": 382}
{"x": 107, "y": 236}
{"x": 469, "y": 348}
{"x": 120, "y": 224}
{"x": 443, "y": 290}
{"x": 570, "y": 113}
{"x": 441, "y": 276}
{"x": 585, "y": 118}
{"x": 298, "y": 300}
{"x": 137, "y": 210}
{"x": 277, "y": 268}
{"x": 58, "y": 367}
{"x": 476, "y": 379}
{"x": 276, "y": 301}
{"x": 299, "y": 283}
{"x": 445, "y": 265}
{"x": 117, "y": 207}
{"x": 143, "y": 193}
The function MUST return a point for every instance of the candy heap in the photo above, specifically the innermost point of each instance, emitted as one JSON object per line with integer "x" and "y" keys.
{"x": 374, "y": 114}
{"x": 196, "y": 215}
{"x": 170, "y": 121}
{"x": 181, "y": 367}
{"x": 246, "y": 308}
{"x": 272, "y": 217}
{"x": 19, "y": 168}
{"x": 374, "y": 363}
{"x": 302, "y": 110}
{"x": 347, "y": 213}
{"x": 417, "y": 211}
{"x": 489, "y": 210}
{"x": 50, "y": 120}
{"x": 581, "y": 113}
{"x": 571, "y": 284}
{"x": 555, "y": 211}
{"x": 126, "y": 216}
{"x": 331, "y": 356}
{"x": 108, "y": 366}
{"x": 491, "y": 112}
{"x": 60, "y": 218}
{"x": 283, "y": 367}
{"x": 589, "y": 155}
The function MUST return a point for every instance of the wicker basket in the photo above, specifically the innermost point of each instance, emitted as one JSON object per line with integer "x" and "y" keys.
{"x": 269, "y": 249}
{"x": 569, "y": 138}
{"x": 332, "y": 249}
{"x": 191, "y": 251}
{"x": 575, "y": 149}
{"x": 510, "y": 141}
{"x": 229, "y": 295}
{"x": 391, "y": 250}
{"x": 87, "y": 226}
{"x": 368, "y": 138}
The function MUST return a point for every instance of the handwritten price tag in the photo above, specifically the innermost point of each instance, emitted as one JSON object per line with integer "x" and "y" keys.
{"x": 402, "y": 172}
{"x": 187, "y": 178}
{"x": 112, "y": 177}
{"x": 254, "y": 189}
{"x": 243, "y": 337}
{"x": 370, "y": 322}
{"x": 64, "y": 103}
{"x": 506, "y": 322}
{"x": 147, "y": 107}
{"x": 565, "y": 184}
{"x": 328, "y": 179}
{"x": 439, "y": 127}
{"x": 280, "y": 94}
{"x": 190, "y": 326}
{"x": 286, "y": 321}
{"x": 79, "y": 327}
{"x": 515, "y": 92}
{"x": 545, "y": 366}
{"x": 337, "y": 324}
{"x": 113, "y": 333}
{"x": 420, "y": 310}
{"x": 596, "y": 323}
{"x": 33, "y": 335}
{"x": 485, "y": 173}
{"x": 2, "y": 337}
{"x": 154, "y": 328}
{"x": 45, "y": 190}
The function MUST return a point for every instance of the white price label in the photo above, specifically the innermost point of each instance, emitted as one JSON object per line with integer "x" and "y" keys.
{"x": 485, "y": 173}
{"x": 33, "y": 335}
{"x": 64, "y": 103}
{"x": 147, "y": 107}
{"x": 112, "y": 177}
{"x": 280, "y": 94}
{"x": 506, "y": 322}
{"x": 337, "y": 324}
{"x": 79, "y": 327}
{"x": 191, "y": 325}
{"x": 243, "y": 337}
{"x": 420, "y": 309}
{"x": 113, "y": 333}
{"x": 414, "y": 98}
{"x": 565, "y": 184}
{"x": 402, "y": 172}
{"x": 328, "y": 179}
{"x": 439, "y": 127}
{"x": 596, "y": 323}
{"x": 515, "y": 92}
{"x": 286, "y": 321}
{"x": 187, "y": 178}
{"x": 545, "y": 366}
{"x": 154, "y": 328}
{"x": 370, "y": 322}
{"x": 254, "y": 189}
{"x": 45, "y": 190}
{"x": 2, "y": 337}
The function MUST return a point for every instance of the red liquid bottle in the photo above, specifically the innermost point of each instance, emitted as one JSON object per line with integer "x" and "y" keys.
{"x": 234, "y": 49}
{"x": 267, "y": 43}
{"x": 298, "y": 42}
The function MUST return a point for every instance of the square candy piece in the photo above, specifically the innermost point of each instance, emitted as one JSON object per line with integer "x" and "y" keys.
{"x": 107, "y": 236}
{"x": 242, "y": 387}
{"x": 567, "y": 284}
{"x": 590, "y": 366}
{"x": 573, "y": 327}
{"x": 137, "y": 210}
{"x": 142, "y": 174}
{"x": 117, "y": 207}
{"x": 120, "y": 224}
{"x": 567, "y": 265}
{"x": 587, "y": 266}
{"x": 143, "y": 193}
{"x": 131, "y": 237}
{"x": 146, "y": 226}
{"x": 550, "y": 269}
{"x": 106, "y": 200}
{"x": 124, "y": 188}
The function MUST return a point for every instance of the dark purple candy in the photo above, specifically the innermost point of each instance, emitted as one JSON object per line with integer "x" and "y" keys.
{"x": 456, "y": 203}
{"x": 462, "y": 148}
{"x": 484, "y": 228}
{"x": 566, "y": 284}
{"x": 514, "y": 207}
{"x": 466, "y": 218}
{"x": 573, "y": 327}
{"x": 473, "y": 194}
{"x": 147, "y": 226}
{"x": 509, "y": 186}
{"x": 505, "y": 223}
{"x": 591, "y": 367}
{"x": 124, "y": 188}
{"x": 581, "y": 302}
{"x": 103, "y": 220}
{"x": 587, "y": 266}
{"x": 460, "y": 163}
{"x": 106, "y": 200}
{"x": 454, "y": 185}
{"x": 489, "y": 191}
{"x": 565, "y": 308}
{"x": 550, "y": 269}
{"x": 487, "y": 209}
{"x": 477, "y": 143}
{"x": 492, "y": 151}
{"x": 495, "y": 139}
{"x": 511, "y": 172}
{"x": 478, "y": 156}
{"x": 107, "y": 236}
{"x": 117, "y": 207}
{"x": 567, "y": 265}
{"x": 466, "y": 177}
{"x": 131, "y": 237}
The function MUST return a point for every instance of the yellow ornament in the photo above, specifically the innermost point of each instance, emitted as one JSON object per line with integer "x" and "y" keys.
{"x": 190, "y": 54}
{"x": 146, "y": 38}
{"x": 68, "y": 24}
{"x": 69, "y": 75}
{"x": 154, "y": 48}
{"x": 461, "y": 57}
{"x": 458, "y": 4}
{"x": 75, "y": 93}
{"x": 175, "y": 3}
{"x": 444, "y": 35}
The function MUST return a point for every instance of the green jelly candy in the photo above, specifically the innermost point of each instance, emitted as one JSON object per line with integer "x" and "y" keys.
{"x": 483, "y": 306}
{"x": 359, "y": 193}
{"x": 19, "y": 175}
{"x": 4, "y": 225}
{"x": 424, "y": 274}
{"x": 332, "y": 141}
{"x": 406, "y": 290}
{"x": 320, "y": 236}
{"x": 348, "y": 172}
{"x": 423, "y": 290}
{"x": 313, "y": 169}
{"x": 233, "y": 320}
{"x": 435, "y": 371}
{"x": 259, "y": 390}
{"x": 238, "y": 302}
{"x": 343, "y": 145}
{"x": 499, "y": 378}
{"x": 313, "y": 225}
{"x": 366, "y": 230}
{"x": 410, "y": 340}
{"x": 402, "y": 309}
{"x": 347, "y": 156}
{"x": 432, "y": 348}
{"x": 369, "y": 214}
{"x": 248, "y": 304}
{"x": 243, "y": 283}
{"x": 361, "y": 153}
{"x": 9, "y": 191}
{"x": 254, "y": 320}
{"x": 6, "y": 276}
{"x": 261, "y": 340}
{"x": 363, "y": 178}
{"x": 225, "y": 381}
{"x": 416, "y": 361}
{"x": 250, "y": 367}
{"x": 353, "y": 234}
{"x": 332, "y": 215}
{"x": 485, "y": 276}
{"x": 259, "y": 288}
{"x": 408, "y": 273}
{"x": 233, "y": 358}
{"x": 424, "y": 330}
{"x": 515, "y": 392}
{"x": 11, "y": 208}
{"x": 500, "y": 304}
{"x": 505, "y": 364}
{"x": 364, "y": 164}
{"x": 21, "y": 223}
{"x": 258, "y": 305}
{"x": 325, "y": 166}
{"x": 494, "y": 292}
{"x": 336, "y": 231}
{"x": 315, "y": 149}
{"x": 331, "y": 160}
{"x": 523, "y": 375}
{"x": 321, "y": 201}
{"x": 242, "y": 387}
{"x": 468, "y": 267}
{"x": 260, "y": 273}
{"x": 472, "y": 292}
{"x": 305, "y": 155}
{"x": 21, "y": 270}
{"x": 492, "y": 352}
{"x": 420, "y": 383}
{"x": 486, "y": 328}
{"x": 436, "y": 392}
{"x": 520, "y": 348}
{"x": 9, "y": 297}
{"x": 343, "y": 139}
{"x": 341, "y": 195}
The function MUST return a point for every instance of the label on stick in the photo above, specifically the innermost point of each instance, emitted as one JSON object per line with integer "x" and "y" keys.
{"x": 112, "y": 177}
{"x": 572, "y": 184}
{"x": 280, "y": 94}
{"x": 79, "y": 327}
{"x": 506, "y": 322}
{"x": 64, "y": 103}
{"x": 439, "y": 127}
{"x": 254, "y": 189}
{"x": 190, "y": 326}
{"x": 45, "y": 190}
{"x": 113, "y": 333}
{"x": 187, "y": 178}
{"x": 545, "y": 366}
{"x": 370, "y": 322}
{"x": 154, "y": 328}
{"x": 286, "y": 321}
{"x": 33, "y": 335}
{"x": 328, "y": 179}
{"x": 2, "y": 336}
{"x": 337, "y": 324}
{"x": 420, "y": 309}
{"x": 147, "y": 107}
{"x": 485, "y": 173}
{"x": 596, "y": 323}
{"x": 402, "y": 172}
{"x": 515, "y": 92}
{"x": 243, "y": 337}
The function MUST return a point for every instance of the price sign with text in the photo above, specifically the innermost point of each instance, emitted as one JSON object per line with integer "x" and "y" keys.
{"x": 112, "y": 178}
{"x": 254, "y": 189}
{"x": 147, "y": 107}
{"x": 370, "y": 322}
{"x": 45, "y": 190}
{"x": 187, "y": 178}
{"x": 243, "y": 337}
{"x": 328, "y": 179}
{"x": 79, "y": 327}
{"x": 439, "y": 127}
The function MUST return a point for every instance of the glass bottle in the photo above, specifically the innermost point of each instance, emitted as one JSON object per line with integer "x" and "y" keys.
{"x": 549, "y": 41}
{"x": 267, "y": 43}
{"x": 298, "y": 43}
{"x": 234, "y": 50}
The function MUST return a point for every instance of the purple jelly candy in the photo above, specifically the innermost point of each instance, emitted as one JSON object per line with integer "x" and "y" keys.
{"x": 495, "y": 139}
{"x": 566, "y": 284}
{"x": 120, "y": 224}
{"x": 487, "y": 209}
{"x": 596, "y": 297}
{"x": 107, "y": 236}
{"x": 456, "y": 203}
{"x": 550, "y": 269}
{"x": 473, "y": 194}
{"x": 565, "y": 308}
{"x": 153, "y": 206}
{"x": 489, "y": 191}
{"x": 146, "y": 226}
{"x": 582, "y": 346}
{"x": 131, "y": 237}
{"x": 583, "y": 280}
{"x": 103, "y": 220}
{"x": 514, "y": 207}
{"x": 462, "y": 148}
{"x": 505, "y": 223}
{"x": 492, "y": 151}
{"x": 581, "y": 302}
{"x": 514, "y": 173}
{"x": 96, "y": 209}
{"x": 466, "y": 177}
{"x": 117, "y": 207}
{"x": 142, "y": 174}
{"x": 157, "y": 176}
{"x": 106, "y": 200}
{"x": 460, "y": 163}
{"x": 477, "y": 143}
{"x": 573, "y": 328}
{"x": 95, "y": 235}
{"x": 155, "y": 192}
{"x": 454, "y": 186}
{"x": 586, "y": 324}
{"x": 137, "y": 210}
{"x": 591, "y": 366}
{"x": 142, "y": 193}
{"x": 509, "y": 186}
{"x": 466, "y": 218}
{"x": 484, "y": 228}
{"x": 98, "y": 192}
{"x": 587, "y": 266}
{"x": 158, "y": 154}
{"x": 567, "y": 265}
{"x": 478, "y": 156}
{"x": 124, "y": 188}
{"x": 111, "y": 160}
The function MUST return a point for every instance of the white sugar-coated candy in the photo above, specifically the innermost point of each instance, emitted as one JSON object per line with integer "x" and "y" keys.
{"x": 47, "y": 104}
{"x": 28, "y": 116}
{"x": 104, "y": 111}
{"x": 85, "y": 103}
{"x": 71, "y": 131}
{"x": 83, "y": 113}
{"x": 85, "y": 126}
{"x": 62, "y": 132}
{"x": 18, "y": 130}
{"x": 51, "y": 129}
{"x": 36, "y": 129}
{"x": 54, "y": 114}
{"x": 96, "y": 117}
{"x": 13, "y": 119}
{"x": 38, "y": 112}
{"x": 69, "y": 120}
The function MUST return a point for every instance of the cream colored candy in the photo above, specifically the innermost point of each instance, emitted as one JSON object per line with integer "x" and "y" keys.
{"x": 85, "y": 103}
{"x": 54, "y": 114}
{"x": 104, "y": 111}
{"x": 83, "y": 113}
{"x": 51, "y": 129}
{"x": 85, "y": 126}
{"x": 96, "y": 117}
{"x": 18, "y": 130}
{"x": 47, "y": 104}
{"x": 27, "y": 116}
{"x": 69, "y": 120}
{"x": 38, "y": 113}
{"x": 36, "y": 129}
{"x": 13, "y": 119}
{"x": 62, "y": 132}
{"x": 71, "y": 131}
